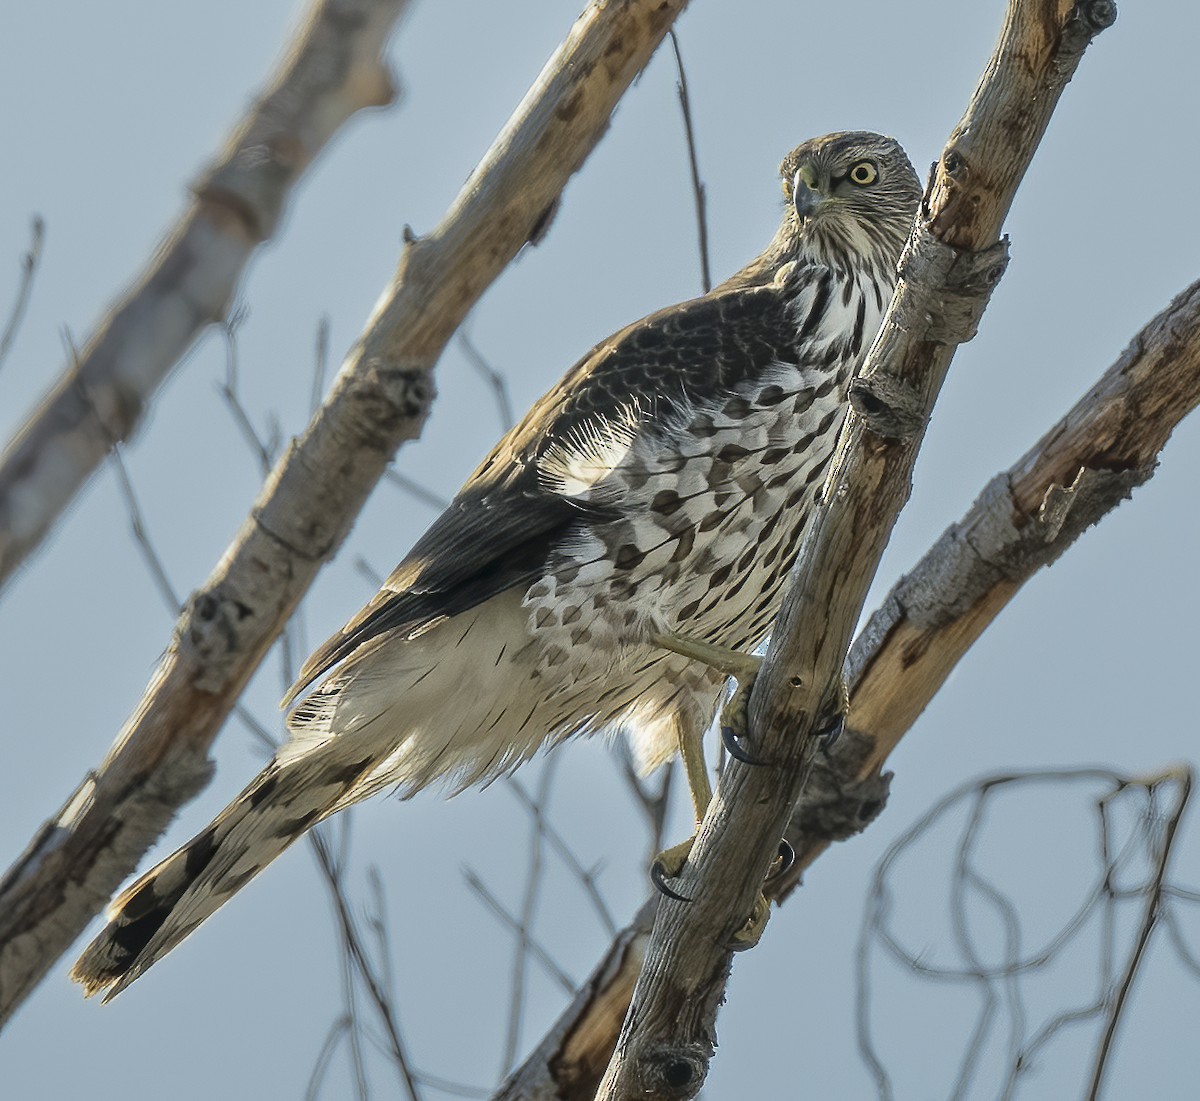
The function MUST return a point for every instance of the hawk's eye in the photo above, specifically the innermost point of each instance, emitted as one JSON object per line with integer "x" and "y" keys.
{"x": 863, "y": 173}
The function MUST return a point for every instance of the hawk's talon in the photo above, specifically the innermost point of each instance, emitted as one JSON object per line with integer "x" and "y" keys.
{"x": 730, "y": 740}
{"x": 751, "y": 932}
{"x": 831, "y": 731}
{"x": 669, "y": 864}
{"x": 786, "y": 858}
{"x": 836, "y": 726}
{"x": 659, "y": 877}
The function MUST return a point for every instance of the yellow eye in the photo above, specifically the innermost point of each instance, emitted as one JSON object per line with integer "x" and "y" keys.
{"x": 863, "y": 173}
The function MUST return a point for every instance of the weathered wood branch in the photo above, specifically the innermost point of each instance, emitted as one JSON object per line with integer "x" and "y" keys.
{"x": 379, "y": 399}
{"x": 332, "y": 69}
{"x": 1078, "y": 472}
{"x": 1024, "y": 519}
{"x": 946, "y": 275}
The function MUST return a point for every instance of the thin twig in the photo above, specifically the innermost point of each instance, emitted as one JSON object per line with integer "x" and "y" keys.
{"x": 411, "y": 486}
{"x": 264, "y": 450}
{"x": 653, "y": 805}
{"x": 495, "y": 379}
{"x": 456, "y": 1089}
{"x": 586, "y": 876}
{"x": 1183, "y": 778}
{"x": 29, "y": 266}
{"x": 324, "y": 1057}
{"x": 137, "y": 523}
{"x": 365, "y": 570}
{"x": 694, "y": 166}
{"x": 524, "y": 935}
{"x": 377, "y": 919}
{"x": 539, "y": 953}
{"x": 320, "y": 364}
{"x": 350, "y": 936}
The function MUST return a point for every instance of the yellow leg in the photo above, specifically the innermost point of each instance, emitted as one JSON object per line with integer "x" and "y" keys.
{"x": 670, "y": 863}
{"x": 691, "y": 749}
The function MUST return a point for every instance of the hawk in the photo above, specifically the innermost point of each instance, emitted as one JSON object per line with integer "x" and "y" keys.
{"x": 642, "y": 517}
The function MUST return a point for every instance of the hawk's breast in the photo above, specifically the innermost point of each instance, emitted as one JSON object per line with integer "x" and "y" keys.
{"x": 713, "y": 497}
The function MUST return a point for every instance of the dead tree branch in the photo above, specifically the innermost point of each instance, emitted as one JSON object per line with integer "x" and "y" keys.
{"x": 331, "y": 70}
{"x": 933, "y": 616}
{"x": 1136, "y": 823}
{"x": 380, "y": 399}
{"x": 698, "y": 192}
{"x": 952, "y": 262}
{"x": 945, "y": 277}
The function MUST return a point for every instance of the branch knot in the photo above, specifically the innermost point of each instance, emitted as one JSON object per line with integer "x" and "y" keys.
{"x": 892, "y": 408}
{"x": 673, "y": 1072}
{"x": 953, "y": 287}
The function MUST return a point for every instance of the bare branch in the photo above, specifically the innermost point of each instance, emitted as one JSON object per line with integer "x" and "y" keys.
{"x": 29, "y": 266}
{"x": 946, "y": 275}
{"x": 510, "y": 921}
{"x": 331, "y": 70}
{"x": 698, "y": 193}
{"x": 379, "y": 399}
{"x": 495, "y": 379}
{"x": 415, "y": 489}
{"x": 1181, "y": 778}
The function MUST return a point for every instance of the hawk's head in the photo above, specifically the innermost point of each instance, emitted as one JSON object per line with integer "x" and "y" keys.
{"x": 851, "y": 198}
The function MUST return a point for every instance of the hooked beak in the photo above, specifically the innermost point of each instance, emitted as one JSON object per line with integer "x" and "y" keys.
{"x": 805, "y": 195}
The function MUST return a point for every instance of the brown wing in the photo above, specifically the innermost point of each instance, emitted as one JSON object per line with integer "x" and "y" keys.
{"x": 503, "y": 525}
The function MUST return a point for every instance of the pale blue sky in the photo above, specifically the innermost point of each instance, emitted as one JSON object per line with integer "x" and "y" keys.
{"x": 110, "y": 109}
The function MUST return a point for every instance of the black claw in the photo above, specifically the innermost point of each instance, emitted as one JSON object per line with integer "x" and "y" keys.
{"x": 658, "y": 876}
{"x": 787, "y": 857}
{"x": 833, "y": 731}
{"x": 729, "y": 740}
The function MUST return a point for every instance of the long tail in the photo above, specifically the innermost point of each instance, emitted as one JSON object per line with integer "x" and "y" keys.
{"x": 153, "y": 915}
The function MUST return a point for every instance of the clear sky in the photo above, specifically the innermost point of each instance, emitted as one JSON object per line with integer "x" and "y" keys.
{"x": 111, "y": 109}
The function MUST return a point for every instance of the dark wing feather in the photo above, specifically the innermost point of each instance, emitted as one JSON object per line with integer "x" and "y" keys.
{"x": 499, "y": 530}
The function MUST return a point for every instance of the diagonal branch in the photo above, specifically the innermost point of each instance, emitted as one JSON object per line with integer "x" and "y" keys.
{"x": 1079, "y": 471}
{"x": 380, "y": 399}
{"x": 331, "y": 70}
{"x": 946, "y": 275}
{"x": 1082, "y": 469}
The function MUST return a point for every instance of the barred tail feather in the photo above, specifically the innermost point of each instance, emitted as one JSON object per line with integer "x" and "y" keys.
{"x": 158, "y": 911}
